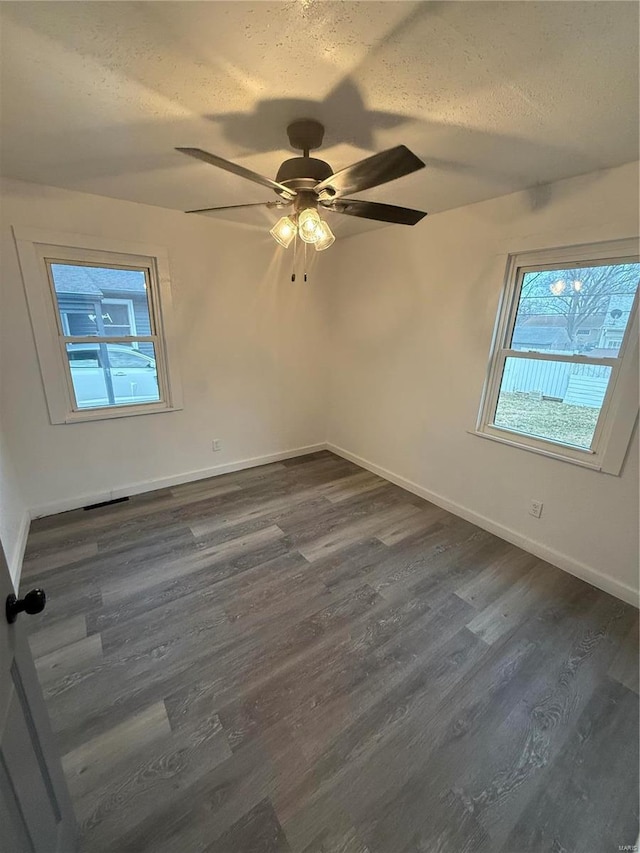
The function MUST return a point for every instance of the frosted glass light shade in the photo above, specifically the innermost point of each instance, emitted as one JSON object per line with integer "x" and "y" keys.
{"x": 284, "y": 231}
{"x": 326, "y": 238}
{"x": 309, "y": 225}
{"x": 558, "y": 287}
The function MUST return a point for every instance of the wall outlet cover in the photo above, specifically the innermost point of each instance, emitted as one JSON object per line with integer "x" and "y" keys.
{"x": 535, "y": 508}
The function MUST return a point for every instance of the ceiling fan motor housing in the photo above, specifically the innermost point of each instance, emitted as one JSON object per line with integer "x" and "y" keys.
{"x": 303, "y": 173}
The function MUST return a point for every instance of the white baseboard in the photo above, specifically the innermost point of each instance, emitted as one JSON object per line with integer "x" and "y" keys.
{"x": 550, "y": 555}
{"x": 151, "y": 485}
{"x": 14, "y": 561}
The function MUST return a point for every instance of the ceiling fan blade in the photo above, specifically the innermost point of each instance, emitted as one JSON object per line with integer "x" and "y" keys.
{"x": 371, "y": 172}
{"x": 228, "y": 166}
{"x": 375, "y": 210}
{"x": 276, "y": 204}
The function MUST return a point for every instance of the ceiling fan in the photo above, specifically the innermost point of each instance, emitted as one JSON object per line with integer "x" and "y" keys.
{"x": 306, "y": 184}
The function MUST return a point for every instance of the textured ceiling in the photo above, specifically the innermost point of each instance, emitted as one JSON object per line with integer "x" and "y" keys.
{"x": 494, "y": 97}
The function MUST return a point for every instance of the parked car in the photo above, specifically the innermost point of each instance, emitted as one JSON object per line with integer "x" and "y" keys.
{"x": 133, "y": 375}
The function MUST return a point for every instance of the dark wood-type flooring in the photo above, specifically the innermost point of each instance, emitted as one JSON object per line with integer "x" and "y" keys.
{"x": 304, "y": 658}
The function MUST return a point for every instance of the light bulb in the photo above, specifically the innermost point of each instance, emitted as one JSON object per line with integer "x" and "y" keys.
{"x": 577, "y": 286}
{"x": 558, "y": 287}
{"x": 309, "y": 225}
{"x": 284, "y": 231}
{"x": 326, "y": 238}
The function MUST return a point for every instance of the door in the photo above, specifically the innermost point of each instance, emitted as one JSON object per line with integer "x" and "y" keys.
{"x": 36, "y": 815}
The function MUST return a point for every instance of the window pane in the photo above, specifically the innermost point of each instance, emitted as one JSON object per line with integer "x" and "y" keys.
{"x": 112, "y": 375}
{"x": 555, "y": 400}
{"x": 117, "y": 318}
{"x": 85, "y": 300}
{"x": 79, "y": 323}
{"x": 579, "y": 310}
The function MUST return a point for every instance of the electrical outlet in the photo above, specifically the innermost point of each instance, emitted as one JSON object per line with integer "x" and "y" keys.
{"x": 216, "y": 445}
{"x": 535, "y": 508}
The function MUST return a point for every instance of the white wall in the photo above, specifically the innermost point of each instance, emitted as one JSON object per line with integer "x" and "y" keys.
{"x": 248, "y": 342}
{"x": 388, "y": 343}
{"x": 411, "y": 314}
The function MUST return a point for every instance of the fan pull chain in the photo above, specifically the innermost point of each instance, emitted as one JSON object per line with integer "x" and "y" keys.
{"x": 293, "y": 271}
{"x": 305, "y": 261}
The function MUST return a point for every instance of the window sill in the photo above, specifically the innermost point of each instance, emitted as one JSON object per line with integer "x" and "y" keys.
{"x": 590, "y": 461}
{"x": 110, "y": 413}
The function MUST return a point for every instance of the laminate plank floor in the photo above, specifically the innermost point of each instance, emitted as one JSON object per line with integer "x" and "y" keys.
{"x": 304, "y": 658}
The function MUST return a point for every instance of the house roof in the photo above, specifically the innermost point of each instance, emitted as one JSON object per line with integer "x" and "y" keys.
{"x": 97, "y": 282}
{"x": 539, "y": 335}
{"x": 113, "y": 281}
{"x": 68, "y": 279}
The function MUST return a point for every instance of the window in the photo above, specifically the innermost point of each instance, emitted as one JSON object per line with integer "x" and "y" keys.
{"x": 562, "y": 376}
{"x": 101, "y": 320}
{"x": 119, "y": 317}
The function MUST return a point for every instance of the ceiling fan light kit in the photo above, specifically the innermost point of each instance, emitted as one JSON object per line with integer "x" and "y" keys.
{"x": 308, "y": 183}
{"x": 325, "y": 239}
{"x": 309, "y": 225}
{"x": 284, "y": 231}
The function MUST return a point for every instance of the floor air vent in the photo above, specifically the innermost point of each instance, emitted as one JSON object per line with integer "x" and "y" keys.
{"x": 105, "y": 503}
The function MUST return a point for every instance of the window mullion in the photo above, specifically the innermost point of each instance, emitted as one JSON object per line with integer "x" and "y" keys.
{"x": 564, "y": 357}
{"x": 108, "y": 339}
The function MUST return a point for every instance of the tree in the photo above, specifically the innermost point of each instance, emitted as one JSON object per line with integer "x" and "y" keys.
{"x": 578, "y": 295}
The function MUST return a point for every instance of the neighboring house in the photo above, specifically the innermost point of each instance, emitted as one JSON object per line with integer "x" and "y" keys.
{"x": 615, "y": 322}
{"x": 108, "y": 302}
{"x": 528, "y": 336}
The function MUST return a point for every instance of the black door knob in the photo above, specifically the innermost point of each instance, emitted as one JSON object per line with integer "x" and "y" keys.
{"x": 33, "y": 602}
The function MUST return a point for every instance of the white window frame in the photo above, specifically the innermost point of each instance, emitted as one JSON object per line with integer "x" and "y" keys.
{"x": 38, "y": 246}
{"x": 619, "y": 411}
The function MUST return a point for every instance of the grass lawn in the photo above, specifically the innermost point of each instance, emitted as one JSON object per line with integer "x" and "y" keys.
{"x": 548, "y": 419}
